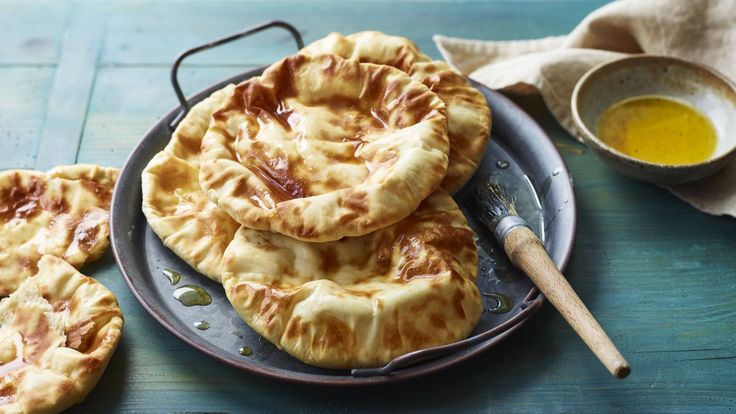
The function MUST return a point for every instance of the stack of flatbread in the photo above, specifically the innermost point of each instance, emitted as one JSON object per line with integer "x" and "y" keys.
{"x": 318, "y": 194}
{"x": 58, "y": 328}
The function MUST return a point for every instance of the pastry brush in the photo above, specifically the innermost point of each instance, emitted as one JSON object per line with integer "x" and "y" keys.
{"x": 526, "y": 252}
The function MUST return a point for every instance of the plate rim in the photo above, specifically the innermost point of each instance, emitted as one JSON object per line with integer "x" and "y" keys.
{"x": 415, "y": 371}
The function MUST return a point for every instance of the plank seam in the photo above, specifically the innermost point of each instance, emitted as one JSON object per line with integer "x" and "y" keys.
{"x": 71, "y": 93}
{"x": 93, "y": 82}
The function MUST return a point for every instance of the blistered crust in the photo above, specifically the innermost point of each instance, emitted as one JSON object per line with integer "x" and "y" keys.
{"x": 468, "y": 115}
{"x": 188, "y": 223}
{"x": 360, "y": 302}
{"x": 319, "y": 148}
{"x": 59, "y": 330}
{"x": 64, "y": 212}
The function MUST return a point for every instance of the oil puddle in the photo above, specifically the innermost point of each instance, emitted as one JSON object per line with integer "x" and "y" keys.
{"x": 173, "y": 276}
{"x": 499, "y": 303}
{"x": 192, "y": 295}
{"x": 202, "y": 325}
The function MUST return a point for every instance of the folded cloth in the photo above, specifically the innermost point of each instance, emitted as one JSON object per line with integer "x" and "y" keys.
{"x": 701, "y": 31}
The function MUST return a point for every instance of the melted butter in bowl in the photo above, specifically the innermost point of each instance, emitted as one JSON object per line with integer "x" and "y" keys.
{"x": 659, "y": 130}
{"x": 657, "y": 119}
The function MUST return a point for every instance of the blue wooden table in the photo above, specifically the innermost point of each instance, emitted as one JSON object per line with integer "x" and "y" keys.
{"x": 81, "y": 82}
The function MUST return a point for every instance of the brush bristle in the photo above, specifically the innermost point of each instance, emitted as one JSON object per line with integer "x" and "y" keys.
{"x": 494, "y": 204}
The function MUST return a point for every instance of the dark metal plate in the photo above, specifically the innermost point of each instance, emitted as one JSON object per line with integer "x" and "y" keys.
{"x": 535, "y": 174}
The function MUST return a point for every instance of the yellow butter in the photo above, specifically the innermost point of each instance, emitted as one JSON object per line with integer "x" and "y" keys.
{"x": 658, "y": 130}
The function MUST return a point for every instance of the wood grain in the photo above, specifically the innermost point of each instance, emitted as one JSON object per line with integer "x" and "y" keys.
{"x": 66, "y": 108}
{"x": 24, "y": 90}
{"x": 658, "y": 274}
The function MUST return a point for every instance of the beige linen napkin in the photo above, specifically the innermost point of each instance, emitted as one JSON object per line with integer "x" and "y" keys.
{"x": 702, "y": 31}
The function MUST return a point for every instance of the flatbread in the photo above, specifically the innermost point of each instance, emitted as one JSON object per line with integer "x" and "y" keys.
{"x": 319, "y": 147}
{"x": 59, "y": 330}
{"x": 359, "y": 302}
{"x": 64, "y": 212}
{"x": 188, "y": 223}
{"x": 468, "y": 115}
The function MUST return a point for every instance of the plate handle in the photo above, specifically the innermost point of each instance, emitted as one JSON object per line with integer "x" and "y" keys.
{"x": 527, "y": 309}
{"x": 183, "y": 103}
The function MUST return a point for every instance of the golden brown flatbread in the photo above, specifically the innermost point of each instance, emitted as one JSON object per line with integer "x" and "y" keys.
{"x": 362, "y": 301}
{"x": 177, "y": 210}
{"x": 468, "y": 115}
{"x": 319, "y": 147}
{"x": 64, "y": 212}
{"x": 59, "y": 330}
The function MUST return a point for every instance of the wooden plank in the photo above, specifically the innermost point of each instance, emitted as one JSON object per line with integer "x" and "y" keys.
{"x": 69, "y": 99}
{"x": 24, "y": 91}
{"x": 127, "y": 101}
{"x": 148, "y": 33}
{"x": 28, "y": 54}
{"x": 31, "y": 31}
{"x": 658, "y": 275}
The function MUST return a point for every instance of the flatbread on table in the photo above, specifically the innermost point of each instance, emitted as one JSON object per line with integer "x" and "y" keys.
{"x": 176, "y": 208}
{"x": 319, "y": 147}
{"x": 64, "y": 212}
{"x": 359, "y": 302}
{"x": 57, "y": 334}
{"x": 468, "y": 115}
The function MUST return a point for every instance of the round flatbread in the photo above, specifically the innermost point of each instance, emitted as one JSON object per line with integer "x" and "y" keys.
{"x": 177, "y": 210}
{"x": 59, "y": 330}
{"x": 321, "y": 147}
{"x": 362, "y": 301}
{"x": 64, "y": 212}
{"x": 468, "y": 115}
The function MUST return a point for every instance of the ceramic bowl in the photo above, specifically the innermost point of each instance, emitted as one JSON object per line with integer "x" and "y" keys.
{"x": 703, "y": 88}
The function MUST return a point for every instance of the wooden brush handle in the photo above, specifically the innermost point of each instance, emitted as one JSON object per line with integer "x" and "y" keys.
{"x": 527, "y": 252}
